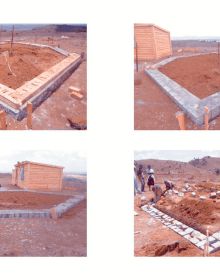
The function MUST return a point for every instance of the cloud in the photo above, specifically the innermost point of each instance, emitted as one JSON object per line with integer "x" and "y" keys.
{"x": 71, "y": 161}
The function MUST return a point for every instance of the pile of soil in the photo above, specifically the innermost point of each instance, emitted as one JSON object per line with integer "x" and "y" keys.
{"x": 29, "y": 200}
{"x": 26, "y": 62}
{"x": 194, "y": 213}
{"x": 199, "y": 74}
{"x": 207, "y": 187}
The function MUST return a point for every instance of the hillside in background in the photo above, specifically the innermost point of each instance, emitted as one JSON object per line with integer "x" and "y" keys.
{"x": 205, "y": 166}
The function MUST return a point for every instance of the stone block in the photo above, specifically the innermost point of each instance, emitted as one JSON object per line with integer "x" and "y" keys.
{"x": 180, "y": 194}
{"x": 216, "y": 245}
{"x": 216, "y": 235}
{"x": 213, "y": 195}
{"x": 189, "y": 230}
{"x": 194, "y": 240}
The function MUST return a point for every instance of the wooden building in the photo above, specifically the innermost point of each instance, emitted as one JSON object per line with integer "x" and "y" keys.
{"x": 38, "y": 176}
{"x": 151, "y": 42}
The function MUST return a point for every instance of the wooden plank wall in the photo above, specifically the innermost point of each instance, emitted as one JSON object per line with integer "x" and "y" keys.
{"x": 162, "y": 43}
{"x": 152, "y": 42}
{"x": 44, "y": 177}
{"x": 144, "y": 38}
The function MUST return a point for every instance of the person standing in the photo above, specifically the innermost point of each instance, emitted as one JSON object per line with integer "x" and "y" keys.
{"x": 140, "y": 175}
{"x": 151, "y": 178}
{"x": 136, "y": 189}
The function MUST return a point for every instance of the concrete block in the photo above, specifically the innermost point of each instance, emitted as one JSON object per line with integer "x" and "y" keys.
{"x": 187, "y": 236}
{"x": 211, "y": 239}
{"x": 216, "y": 235}
{"x": 213, "y": 195}
{"x": 180, "y": 194}
{"x": 194, "y": 240}
{"x": 189, "y": 230}
{"x": 216, "y": 245}
{"x": 201, "y": 244}
{"x": 198, "y": 235}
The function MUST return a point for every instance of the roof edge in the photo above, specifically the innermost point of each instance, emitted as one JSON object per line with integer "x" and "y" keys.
{"x": 37, "y": 163}
{"x": 151, "y": 24}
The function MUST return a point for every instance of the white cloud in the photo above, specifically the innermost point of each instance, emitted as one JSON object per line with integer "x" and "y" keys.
{"x": 52, "y": 148}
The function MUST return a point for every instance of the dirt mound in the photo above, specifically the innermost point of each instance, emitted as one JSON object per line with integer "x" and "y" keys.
{"x": 207, "y": 187}
{"x": 29, "y": 200}
{"x": 162, "y": 250}
{"x": 198, "y": 74}
{"x": 195, "y": 213}
{"x": 26, "y": 63}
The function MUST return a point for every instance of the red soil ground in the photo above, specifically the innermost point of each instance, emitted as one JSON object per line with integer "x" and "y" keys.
{"x": 151, "y": 236}
{"x": 198, "y": 74}
{"x": 193, "y": 212}
{"x": 66, "y": 236}
{"x": 153, "y": 110}
{"x": 30, "y": 200}
{"x": 26, "y": 63}
{"x": 45, "y": 237}
{"x": 54, "y": 112}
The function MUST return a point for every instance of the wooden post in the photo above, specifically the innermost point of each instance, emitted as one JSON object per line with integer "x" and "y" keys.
{"x": 206, "y": 118}
{"x": 218, "y": 53}
{"x": 29, "y": 115}
{"x": 136, "y": 51}
{"x": 181, "y": 119}
{"x": 12, "y": 38}
{"x": 0, "y": 32}
{"x": 206, "y": 246}
{"x": 3, "y": 122}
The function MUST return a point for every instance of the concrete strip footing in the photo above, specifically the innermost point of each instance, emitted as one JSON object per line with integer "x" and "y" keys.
{"x": 54, "y": 212}
{"x": 62, "y": 208}
{"x": 26, "y": 213}
{"x": 41, "y": 87}
{"x": 191, "y": 105}
{"x": 194, "y": 236}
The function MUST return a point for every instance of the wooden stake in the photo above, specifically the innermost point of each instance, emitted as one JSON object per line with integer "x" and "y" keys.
{"x": 206, "y": 246}
{"x": 3, "y": 122}
{"x": 181, "y": 119}
{"x": 12, "y": 38}
{"x": 206, "y": 118}
{"x": 29, "y": 115}
{"x": 136, "y": 50}
{"x": 218, "y": 53}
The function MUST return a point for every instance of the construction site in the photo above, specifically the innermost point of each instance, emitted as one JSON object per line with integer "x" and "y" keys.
{"x": 176, "y": 207}
{"x": 176, "y": 82}
{"x": 42, "y": 211}
{"x": 43, "y": 77}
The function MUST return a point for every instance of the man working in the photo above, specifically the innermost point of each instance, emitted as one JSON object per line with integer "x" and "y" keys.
{"x": 156, "y": 189}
